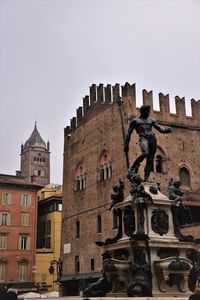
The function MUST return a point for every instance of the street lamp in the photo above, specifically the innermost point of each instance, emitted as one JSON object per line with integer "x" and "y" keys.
{"x": 59, "y": 265}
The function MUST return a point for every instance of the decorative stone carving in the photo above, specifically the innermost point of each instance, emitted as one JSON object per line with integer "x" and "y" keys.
{"x": 173, "y": 270}
{"x": 141, "y": 283}
{"x": 175, "y": 193}
{"x": 118, "y": 273}
{"x": 129, "y": 221}
{"x": 160, "y": 221}
{"x": 137, "y": 187}
{"x": 99, "y": 288}
{"x": 175, "y": 213}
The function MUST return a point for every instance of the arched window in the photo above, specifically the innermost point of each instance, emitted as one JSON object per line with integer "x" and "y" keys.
{"x": 77, "y": 229}
{"x": 160, "y": 161}
{"x": 77, "y": 264}
{"x": 80, "y": 178}
{"x": 105, "y": 166}
{"x": 184, "y": 175}
{"x": 99, "y": 224}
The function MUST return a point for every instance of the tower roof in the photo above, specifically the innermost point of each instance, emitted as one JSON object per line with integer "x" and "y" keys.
{"x": 35, "y": 139}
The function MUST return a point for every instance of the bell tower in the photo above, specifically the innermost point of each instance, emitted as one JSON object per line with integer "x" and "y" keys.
{"x": 35, "y": 159}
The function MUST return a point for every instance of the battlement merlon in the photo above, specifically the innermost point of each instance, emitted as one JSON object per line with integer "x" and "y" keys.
{"x": 101, "y": 97}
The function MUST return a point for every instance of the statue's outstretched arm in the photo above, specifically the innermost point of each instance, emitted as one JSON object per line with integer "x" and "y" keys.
{"x": 160, "y": 128}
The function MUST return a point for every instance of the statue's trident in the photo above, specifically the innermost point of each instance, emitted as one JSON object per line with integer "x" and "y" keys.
{"x": 120, "y": 103}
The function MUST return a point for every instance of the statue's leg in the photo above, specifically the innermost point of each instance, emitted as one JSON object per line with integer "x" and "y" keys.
{"x": 152, "y": 146}
{"x": 147, "y": 170}
{"x": 143, "y": 143}
{"x": 137, "y": 162}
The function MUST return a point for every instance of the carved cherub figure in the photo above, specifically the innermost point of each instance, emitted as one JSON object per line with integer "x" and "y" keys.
{"x": 118, "y": 195}
{"x": 137, "y": 188}
{"x": 175, "y": 193}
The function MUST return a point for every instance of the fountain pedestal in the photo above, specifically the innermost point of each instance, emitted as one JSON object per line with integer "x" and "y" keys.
{"x": 149, "y": 258}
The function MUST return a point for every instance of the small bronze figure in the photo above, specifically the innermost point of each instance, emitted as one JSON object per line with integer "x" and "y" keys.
{"x": 174, "y": 191}
{"x": 137, "y": 188}
{"x": 118, "y": 195}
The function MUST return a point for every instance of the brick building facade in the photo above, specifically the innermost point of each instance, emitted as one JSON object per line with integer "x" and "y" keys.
{"x": 94, "y": 161}
{"x": 18, "y": 215}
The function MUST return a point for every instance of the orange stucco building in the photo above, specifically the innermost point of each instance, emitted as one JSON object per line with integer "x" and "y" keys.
{"x": 18, "y": 215}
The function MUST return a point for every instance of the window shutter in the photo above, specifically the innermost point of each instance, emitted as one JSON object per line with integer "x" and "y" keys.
{"x": 8, "y": 219}
{"x": 9, "y": 198}
{"x": 27, "y": 219}
{"x": 29, "y": 200}
{"x": 28, "y": 243}
{"x": 5, "y": 242}
{"x": 3, "y": 198}
{"x": 20, "y": 242}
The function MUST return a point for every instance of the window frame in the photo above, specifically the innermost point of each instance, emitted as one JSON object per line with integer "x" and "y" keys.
{"x": 2, "y": 271}
{"x": 6, "y": 198}
{"x": 23, "y": 271}
{"x": 4, "y": 218}
{"x": 25, "y": 200}
{"x": 3, "y": 241}
{"x": 24, "y": 242}
{"x": 99, "y": 224}
{"x": 77, "y": 233}
{"x": 25, "y": 219}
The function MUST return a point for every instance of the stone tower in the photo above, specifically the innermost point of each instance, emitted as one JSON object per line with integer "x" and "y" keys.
{"x": 35, "y": 159}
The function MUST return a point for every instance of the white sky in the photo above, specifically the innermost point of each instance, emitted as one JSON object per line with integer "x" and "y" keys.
{"x": 51, "y": 51}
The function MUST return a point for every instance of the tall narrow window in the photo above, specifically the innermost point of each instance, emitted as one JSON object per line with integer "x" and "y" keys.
{"x": 104, "y": 167}
{"x": 77, "y": 229}
{"x": 24, "y": 242}
{"x": 92, "y": 264}
{"x": 6, "y": 198}
{"x": 80, "y": 176}
{"x": 25, "y": 200}
{"x": 160, "y": 161}
{"x": 99, "y": 224}
{"x": 184, "y": 175}
{"x": 23, "y": 271}
{"x": 4, "y": 218}
{"x": 3, "y": 241}
{"x": 77, "y": 264}
{"x": 2, "y": 272}
{"x": 24, "y": 219}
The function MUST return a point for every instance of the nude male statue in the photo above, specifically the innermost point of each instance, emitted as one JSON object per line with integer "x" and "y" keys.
{"x": 147, "y": 140}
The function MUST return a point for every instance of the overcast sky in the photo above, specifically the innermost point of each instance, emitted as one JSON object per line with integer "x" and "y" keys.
{"x": 51, "y": 51}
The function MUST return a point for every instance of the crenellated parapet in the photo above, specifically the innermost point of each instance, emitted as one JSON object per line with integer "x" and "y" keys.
{"x": 101, "y": 97}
